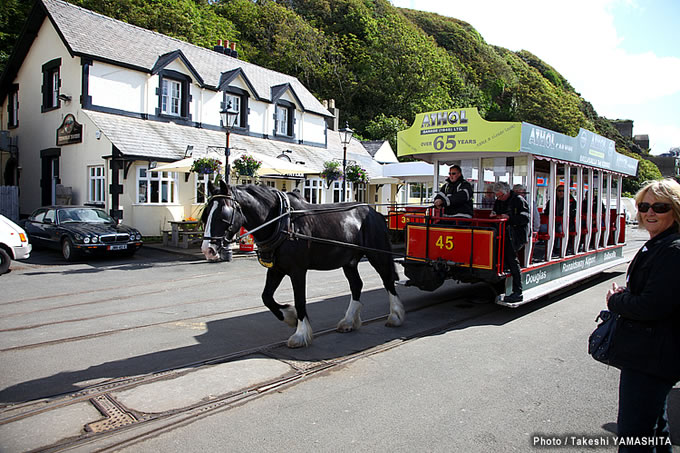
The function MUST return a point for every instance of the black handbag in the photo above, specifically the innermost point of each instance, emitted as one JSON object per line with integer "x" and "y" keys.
{"x": 601, "y": 342}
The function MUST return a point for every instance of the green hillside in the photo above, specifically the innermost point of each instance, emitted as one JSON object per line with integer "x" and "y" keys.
{"x": 381, "y": 64}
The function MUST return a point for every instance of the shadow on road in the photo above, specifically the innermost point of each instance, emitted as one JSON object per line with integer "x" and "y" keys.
{"x": 451, "y": 307}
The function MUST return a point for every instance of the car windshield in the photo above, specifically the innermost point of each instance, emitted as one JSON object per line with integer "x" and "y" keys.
{"x": 84, "y": 215}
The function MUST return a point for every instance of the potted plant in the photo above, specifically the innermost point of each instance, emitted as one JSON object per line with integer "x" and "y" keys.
{"x": 356, "y": 174}
{"x": 331, "y": 172}
{"x": 247, "y": 165}
{"x": 206, "y": 165}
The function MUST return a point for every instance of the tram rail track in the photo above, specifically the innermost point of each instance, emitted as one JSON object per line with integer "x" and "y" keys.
{"x": 147, "y": 425}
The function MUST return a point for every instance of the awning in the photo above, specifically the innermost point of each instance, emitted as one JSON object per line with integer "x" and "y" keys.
{"x": 270, "y": 165}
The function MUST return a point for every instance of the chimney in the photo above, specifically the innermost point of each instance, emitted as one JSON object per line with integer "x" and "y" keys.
{"x": 234, "y": 53}
{"x": 332, "y": 123}
{"x": 219, "y": 48}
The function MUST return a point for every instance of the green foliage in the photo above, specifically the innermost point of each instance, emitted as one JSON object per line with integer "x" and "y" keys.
{"x": 381, "y": 64}
{"x": 13, "y": 15}
{"x": 384, "y": 127}
{"x": 356, "y": 174}
{"x": 331, "y": 172}
{"x": 647, "y": 171}
{"x": 247, "y": 165}
{"x": 206, "y": 166}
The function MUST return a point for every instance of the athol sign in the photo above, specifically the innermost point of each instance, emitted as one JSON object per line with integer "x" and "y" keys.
{"x": 70, "y": 131}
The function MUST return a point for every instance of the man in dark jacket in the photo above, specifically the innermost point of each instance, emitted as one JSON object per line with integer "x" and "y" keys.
{"x": 455, "y": 195}
{"x": 515, "y": 210}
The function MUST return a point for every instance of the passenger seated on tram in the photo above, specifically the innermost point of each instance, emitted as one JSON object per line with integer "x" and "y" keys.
{"x": 455, "y": 195}
{"x": 521, "y": 190}
{"x": 489, "y": 198}
{"x": 559, "y": 212}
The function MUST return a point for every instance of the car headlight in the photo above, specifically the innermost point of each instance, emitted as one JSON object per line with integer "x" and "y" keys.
{"x": 95, "y": 239}
{"x": 138, "y": 236}
{"x": 86, "y": 240}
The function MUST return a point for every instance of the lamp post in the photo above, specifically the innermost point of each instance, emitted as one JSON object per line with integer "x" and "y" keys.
{"x": 229, "y": 117}
{"x": 345, "y": 138}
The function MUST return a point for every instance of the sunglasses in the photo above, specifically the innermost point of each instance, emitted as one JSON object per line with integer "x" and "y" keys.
{"x": 659, "y": 208}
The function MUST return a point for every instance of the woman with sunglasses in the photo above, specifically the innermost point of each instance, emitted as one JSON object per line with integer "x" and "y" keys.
{"x": 647, "y": 345}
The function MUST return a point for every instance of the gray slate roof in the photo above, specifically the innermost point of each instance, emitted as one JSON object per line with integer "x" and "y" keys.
{"x": 373, "y": 146}
{"x": 167, "y": 142}
{"x": 103, "y": 38}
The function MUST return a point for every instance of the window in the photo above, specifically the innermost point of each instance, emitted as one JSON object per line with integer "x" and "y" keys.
{"x": 13, "y": 108}
{"x": 96, "y": 184}
{"x": 337, "y": 191}
{"x": 284, "y": 118}
{"x": 235, "y": 107}
{"x": 171, "y": 102}
{"x": 201, "y": 188}
{"x": 51, "y": 84}
{"x": 156, "y": 187}
{"x": 281, "y": 120}
{"x": 313, "y": 190}
{"x": 362, "y": 193}
{"x": 174, "y": 95}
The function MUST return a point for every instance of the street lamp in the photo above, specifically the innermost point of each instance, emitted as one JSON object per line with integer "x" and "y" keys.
{"x": 345, "y": 138}
{"x": 229, "y": 117}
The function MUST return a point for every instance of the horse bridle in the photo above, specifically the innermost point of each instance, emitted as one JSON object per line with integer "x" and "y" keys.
{"x": 224, "y": 240}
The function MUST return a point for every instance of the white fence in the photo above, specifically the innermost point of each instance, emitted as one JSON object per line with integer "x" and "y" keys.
{"x": 9, "y": 202}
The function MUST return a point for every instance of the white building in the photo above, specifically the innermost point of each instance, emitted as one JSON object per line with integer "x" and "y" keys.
{"x": 91, "y": 103}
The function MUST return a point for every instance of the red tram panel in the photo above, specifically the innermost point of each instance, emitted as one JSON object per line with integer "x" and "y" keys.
{"x": 451, "y": 244}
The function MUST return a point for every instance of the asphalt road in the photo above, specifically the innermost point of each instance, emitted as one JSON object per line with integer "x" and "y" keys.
{"x": 159, "y": 333}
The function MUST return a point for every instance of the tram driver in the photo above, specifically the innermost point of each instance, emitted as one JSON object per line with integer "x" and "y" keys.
{"x": 455, "y": 195}
{"x": 514, "y": 209}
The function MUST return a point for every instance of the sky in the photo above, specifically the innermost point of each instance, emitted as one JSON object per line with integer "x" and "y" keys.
{"x": 622, "y": 56}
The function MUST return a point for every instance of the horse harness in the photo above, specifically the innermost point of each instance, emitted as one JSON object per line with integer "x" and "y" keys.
{"x": 283, "y": 230}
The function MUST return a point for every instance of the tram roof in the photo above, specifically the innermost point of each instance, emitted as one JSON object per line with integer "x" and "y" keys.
{"x": 456, "y": 134}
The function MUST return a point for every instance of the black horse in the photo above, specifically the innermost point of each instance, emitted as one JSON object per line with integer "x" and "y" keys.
{"x": 284, "y": 252}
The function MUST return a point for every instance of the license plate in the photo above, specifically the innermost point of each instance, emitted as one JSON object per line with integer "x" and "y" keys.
{"x": 117, "y": 247}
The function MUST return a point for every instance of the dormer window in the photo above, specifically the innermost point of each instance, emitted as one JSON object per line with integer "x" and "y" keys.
{"x": 51, "y": 84}
{"x": 173, "y": 95}
{"x": 171, "y": 101}
{"x": 284, "y": 119}
{"x": 234, "y": 102}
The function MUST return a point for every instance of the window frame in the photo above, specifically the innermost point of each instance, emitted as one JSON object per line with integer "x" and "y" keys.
{"x": 185, "y": 98}
{"x": 50, "y": 93}
{"x": 201, "y": 180}
{"x": 96, "y": 184}
{"x": 289, "y": 108}
{"x": 163, "y": 178}
{"x": 171, "y": 102}
{"x": 13, "y": 107}
{"x": 313, "y": 190}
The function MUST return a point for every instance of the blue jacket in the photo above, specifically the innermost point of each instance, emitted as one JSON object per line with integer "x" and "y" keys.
{"x": 648, "y": 337}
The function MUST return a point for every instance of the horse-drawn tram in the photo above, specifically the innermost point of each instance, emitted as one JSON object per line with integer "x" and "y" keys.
{"x": 573, "y": 186}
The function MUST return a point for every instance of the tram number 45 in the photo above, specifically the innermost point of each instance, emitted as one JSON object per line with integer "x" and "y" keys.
{"x": 445, "y": 242}
{"x": 440, "y": 144}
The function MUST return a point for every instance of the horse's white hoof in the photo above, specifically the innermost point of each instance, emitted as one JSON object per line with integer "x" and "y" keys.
{"x": 302, "y": 336}
{"x": 397, "y": 312}
{"x": 352, "y": 319}
{"x": 290, "y": 316}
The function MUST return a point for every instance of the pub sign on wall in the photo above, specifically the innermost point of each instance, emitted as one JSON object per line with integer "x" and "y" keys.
{"x": 70, "y": 131}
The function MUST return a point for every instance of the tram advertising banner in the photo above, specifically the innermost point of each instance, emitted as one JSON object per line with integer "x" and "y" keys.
{"x": 544, "y": 274}
{"x": 457, "y": 130}
{"x": 587, "y": 148}
{"x": 451, "y": 244}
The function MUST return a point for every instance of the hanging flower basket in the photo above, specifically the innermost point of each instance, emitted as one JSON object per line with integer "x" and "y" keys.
{"x": 247, "y": 165}
{"x": 356, "y": 174}
{"x": 331, "y": 172}
{"x": 206, "y": 166}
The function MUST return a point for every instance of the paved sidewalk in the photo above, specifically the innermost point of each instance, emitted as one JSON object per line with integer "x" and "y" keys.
{"x": 195, "y": 251}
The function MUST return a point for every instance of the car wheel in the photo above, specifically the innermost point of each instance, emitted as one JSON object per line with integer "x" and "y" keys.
{"x": 4, "y": 261}
{"x": 68, "y": 251}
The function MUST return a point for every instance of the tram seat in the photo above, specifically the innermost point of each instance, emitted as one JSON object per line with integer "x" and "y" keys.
{"x": 481, "y": 213}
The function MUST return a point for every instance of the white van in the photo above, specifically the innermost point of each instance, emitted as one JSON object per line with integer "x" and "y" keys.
{"x": 14, "y": 243}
